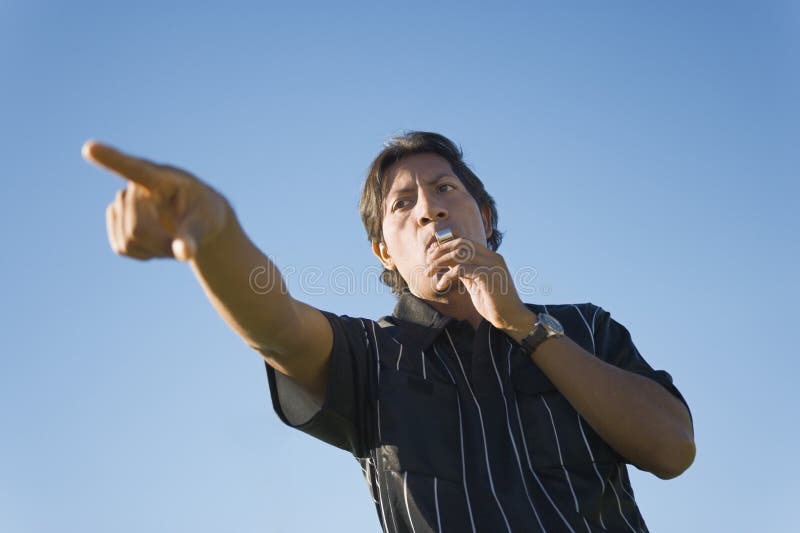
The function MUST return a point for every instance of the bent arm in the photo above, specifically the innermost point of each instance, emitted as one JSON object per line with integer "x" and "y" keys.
{"x": 249, "y": 293}
{"x": 636, "y": 416}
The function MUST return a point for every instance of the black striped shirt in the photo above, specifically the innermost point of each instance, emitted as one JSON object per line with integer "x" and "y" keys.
{"x": 457, "y": 430}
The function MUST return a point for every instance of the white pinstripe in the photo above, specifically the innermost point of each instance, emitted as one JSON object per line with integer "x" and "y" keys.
{"x": 536, "y": 477}
{"x": 461, "y": 434}
{"x": 378, "y": 367}
{"x": 619, "y": 506}
{"x": 483, "y": 430}
{"x": 594, "y": 316}
{"x": 591, "y": 456}
{"x": 622, "y": 484}
{"x": 378, "y": 372}
{"x": 510, "y": 432}
{"x": 594, "y": 464}
{"x": 528, "y": 457}
{"x": 377, "y": 350}
{"x": 591, "y": 333}
{"x": 560, "y": 457}
{"x": 368, "y": 478}
{"x": 389, "y": 499}
{"x": 405, "y": 496}
{"x": 580, "y": 424}
{"x": 424, "y": 374}
{"x": 399, "y": 356}
{"x": 436, "y": 502}
{"x": 375, "y": 461}
{"x": 380, "y": 497}
{"x": 378, "y": 414}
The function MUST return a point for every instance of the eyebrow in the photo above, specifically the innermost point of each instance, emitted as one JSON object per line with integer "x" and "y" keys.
{"x": 431, "y": 182}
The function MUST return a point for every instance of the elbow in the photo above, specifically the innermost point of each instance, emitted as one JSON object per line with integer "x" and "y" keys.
{"x": 677, "y": 460}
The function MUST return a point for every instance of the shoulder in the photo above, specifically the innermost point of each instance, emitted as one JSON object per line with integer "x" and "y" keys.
{"x": 583, "y": 315}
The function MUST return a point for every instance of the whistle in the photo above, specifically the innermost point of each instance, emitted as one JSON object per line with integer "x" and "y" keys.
{"x": 444, "y": 235}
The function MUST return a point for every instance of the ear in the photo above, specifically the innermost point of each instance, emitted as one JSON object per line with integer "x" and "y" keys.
{"x": 382, "y": 253}
{"x": 486, "y": 215}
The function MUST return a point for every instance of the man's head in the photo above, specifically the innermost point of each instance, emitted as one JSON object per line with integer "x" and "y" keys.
{"x": 417, "y": 185}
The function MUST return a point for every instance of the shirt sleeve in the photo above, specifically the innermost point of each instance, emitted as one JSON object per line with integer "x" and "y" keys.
{"x": 615, "y": 346}
{"x": 346, "y": 419}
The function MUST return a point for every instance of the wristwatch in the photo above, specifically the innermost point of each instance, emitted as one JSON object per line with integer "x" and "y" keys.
{"x": 546, "y": 326}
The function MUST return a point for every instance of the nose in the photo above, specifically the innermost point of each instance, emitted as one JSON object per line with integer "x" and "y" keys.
{"x": 429, "y": 210}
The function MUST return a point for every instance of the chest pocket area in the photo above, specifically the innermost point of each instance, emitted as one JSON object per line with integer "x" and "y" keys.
{"x": 419, "y": 428}
{"x": 554, "y": 432}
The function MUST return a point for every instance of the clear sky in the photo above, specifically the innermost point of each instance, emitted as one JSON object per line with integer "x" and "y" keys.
{"x": 643, "y": 158}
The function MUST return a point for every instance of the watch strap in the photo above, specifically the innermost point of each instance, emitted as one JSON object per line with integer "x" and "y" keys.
{"x": 546, "y": 326}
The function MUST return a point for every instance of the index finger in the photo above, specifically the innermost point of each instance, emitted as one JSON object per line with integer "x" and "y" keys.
{"x": 131, "y": 168}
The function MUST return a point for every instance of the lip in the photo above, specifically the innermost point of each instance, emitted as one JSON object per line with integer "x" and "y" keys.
{"x": 431, "y": 242}
{"x": 434, "y": 239}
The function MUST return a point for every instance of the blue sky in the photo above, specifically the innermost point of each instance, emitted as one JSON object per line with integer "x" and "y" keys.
{"x": 642, "y": 158}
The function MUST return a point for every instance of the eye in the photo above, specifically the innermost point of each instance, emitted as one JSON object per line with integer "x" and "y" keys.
{"x": 399, "y": 204}
{"x": 443, "y": 185}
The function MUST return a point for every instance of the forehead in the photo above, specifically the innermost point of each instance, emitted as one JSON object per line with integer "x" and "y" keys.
{"x": 422, "y": 168}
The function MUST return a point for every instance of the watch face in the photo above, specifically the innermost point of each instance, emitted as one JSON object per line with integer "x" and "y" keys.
{"x": 551, "y": 323}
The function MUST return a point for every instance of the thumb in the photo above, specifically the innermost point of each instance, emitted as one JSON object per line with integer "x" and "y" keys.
{"x": 187, "y": 230}
{"x": 194, "y": 228}
{"x": 187, "y": 236}
{"x": 184, "y": 247}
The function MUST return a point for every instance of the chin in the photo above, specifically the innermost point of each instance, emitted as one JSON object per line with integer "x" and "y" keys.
{"x": 447, "y": 294}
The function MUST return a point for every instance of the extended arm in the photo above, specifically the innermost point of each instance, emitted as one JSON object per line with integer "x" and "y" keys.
{"x": 167, "y": 212}
{"x": 248, "y": 292}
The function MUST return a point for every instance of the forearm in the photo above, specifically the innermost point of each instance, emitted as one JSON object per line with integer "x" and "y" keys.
{"x": 635, "y": 415}
{"x": 244, "y": 286}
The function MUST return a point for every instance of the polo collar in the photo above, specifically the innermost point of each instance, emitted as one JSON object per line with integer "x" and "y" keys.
{"x": 411, "y": 308}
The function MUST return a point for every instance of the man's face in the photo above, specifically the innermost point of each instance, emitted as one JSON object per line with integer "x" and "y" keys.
{"x": 424, "y": 195}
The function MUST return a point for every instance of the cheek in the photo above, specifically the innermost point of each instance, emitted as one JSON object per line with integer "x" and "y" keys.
{"x": 403, "y": 243}
{"x": 396, "y": 232}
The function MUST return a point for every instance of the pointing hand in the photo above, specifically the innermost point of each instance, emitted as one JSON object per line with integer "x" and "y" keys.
{"x": 163, "y": 212}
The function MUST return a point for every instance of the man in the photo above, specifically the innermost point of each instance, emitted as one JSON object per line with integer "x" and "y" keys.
{"x": 467, "y": 409}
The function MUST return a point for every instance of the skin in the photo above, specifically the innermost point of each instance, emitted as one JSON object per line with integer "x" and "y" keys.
{"x": 424, "y": 196}
{"x": 167, "y": 212}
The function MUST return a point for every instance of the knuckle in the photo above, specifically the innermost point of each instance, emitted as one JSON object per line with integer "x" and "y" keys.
{"x": 137, "y": 227}
{"x": 127, "y": 245}
{"x": 138, "y": 194}
{"x": 138, "y": 231}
